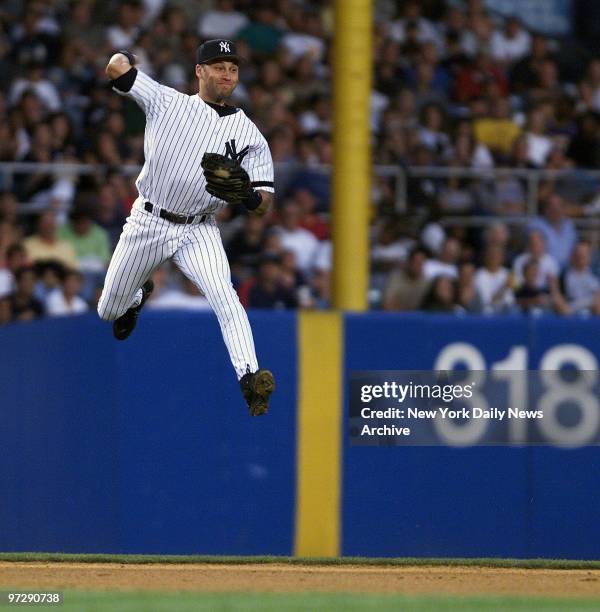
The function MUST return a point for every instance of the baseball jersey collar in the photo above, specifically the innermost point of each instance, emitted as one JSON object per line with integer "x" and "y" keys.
{"x": 221, "y": 110}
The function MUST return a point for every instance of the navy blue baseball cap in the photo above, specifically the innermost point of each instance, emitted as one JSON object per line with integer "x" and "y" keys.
{"x": 217, "y": 49}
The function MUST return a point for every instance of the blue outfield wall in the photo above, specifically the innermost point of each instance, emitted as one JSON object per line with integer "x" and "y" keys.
{"x": 479, "y": 501}
{"x": 144, "y": 446}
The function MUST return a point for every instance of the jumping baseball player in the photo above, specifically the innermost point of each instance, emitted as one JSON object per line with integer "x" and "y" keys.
{"x": 200, "y": 155}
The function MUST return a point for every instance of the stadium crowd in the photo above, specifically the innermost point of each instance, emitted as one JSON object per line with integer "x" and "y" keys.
{"x": 454, "y": 85}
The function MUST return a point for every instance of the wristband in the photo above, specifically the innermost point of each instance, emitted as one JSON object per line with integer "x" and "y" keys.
{"x": 125, "y": 82}
{"x": 253, "y": 201}
{"x": 128, "y": 55}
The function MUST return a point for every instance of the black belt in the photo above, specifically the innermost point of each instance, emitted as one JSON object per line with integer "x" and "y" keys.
{"x": 173, "y": 217}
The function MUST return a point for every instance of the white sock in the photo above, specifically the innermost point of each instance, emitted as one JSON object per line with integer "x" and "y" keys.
{"x": 137, "y": 300}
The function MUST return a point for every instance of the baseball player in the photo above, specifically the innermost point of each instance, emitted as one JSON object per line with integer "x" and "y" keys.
{"x": 200, "y": 155}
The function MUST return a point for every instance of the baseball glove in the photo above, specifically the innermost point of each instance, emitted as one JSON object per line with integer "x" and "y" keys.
{"x": 225, "y": 178}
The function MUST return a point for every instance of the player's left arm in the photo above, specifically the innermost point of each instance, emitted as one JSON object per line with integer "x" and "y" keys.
{"x": 265, "y": 205}
{"x": 259, "y": 165}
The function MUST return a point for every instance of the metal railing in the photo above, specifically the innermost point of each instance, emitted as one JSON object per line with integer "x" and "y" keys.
{"x": 532, "y": 178}
{"x": 399, "y": 175}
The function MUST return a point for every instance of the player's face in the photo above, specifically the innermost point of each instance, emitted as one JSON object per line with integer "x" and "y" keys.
{"x": 218, "y": 80}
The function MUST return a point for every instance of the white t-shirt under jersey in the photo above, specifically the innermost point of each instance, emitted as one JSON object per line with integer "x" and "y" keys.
{"x": 179, "y": 130}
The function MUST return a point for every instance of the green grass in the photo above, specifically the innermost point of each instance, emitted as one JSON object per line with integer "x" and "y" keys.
{"x": 383, "y": 561}
{"x": 78, "y": 601}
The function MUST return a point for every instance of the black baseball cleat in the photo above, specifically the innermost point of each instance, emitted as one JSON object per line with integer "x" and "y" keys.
{"x": 256, "y": 389}
{"x": 125, "y": 324}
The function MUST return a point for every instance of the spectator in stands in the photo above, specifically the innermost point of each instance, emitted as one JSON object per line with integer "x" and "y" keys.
{"x": 50, "y": 275}
{"x": 548, "y": 269}
{"x": 481, "y": 78}
{"x": 390, "y": 246}
{"x": 91, "y": 245}
{"x": 446, "y": 262}
{"x": 124, "y": 33}
{"x": 81, "y": 23}
{"x": 65, "y": 300}
{"x": 584, "y": 148}
{"x": 479, "y": 30}
{"x": 186, "y": 296}
{"x": 269, "y": 291}
{"x": 412, "y": 18}
{"x": 24, "y": 305}
{"x": 441, "y": 296}
{"x": 35, "y": 39}
{"x": 592, "y": 76}
{"x": 311, "y": 220}
{"x": 467, "y": 151}
{"x": 63, "y": 139}
{"x": 548, "y": 87}
{"x": 467, "y": 295}
{"x": 9, "y": 143}
{"x": 582, "y": 286}
{"x": 246, "y": 245}
{"x": 427, "y": 86}
{"x": 294, "y": 238}
{"x": 431, "y": 132}
{"x": 317, "y": 120}
{"x": 291, "y": 276}
{"x": 525, "y": 72}
{"x": 457, "y": 196}
{"x": 539, "y": 144}
{"x": 407, "y": 285}
{"x": 45, "y": 243}
{"x": 223, "y": 21}
{"x": 9, "y": 234}
{"x": 504, "y": 195}
{"x": 388, "y": 71}
{"x": 510, "y": 44}
{"x": 497, "y": 234}
{"x": 36, "y": 83}
{"x": 498, "y": 131}
{"x": 574, "y": 187}
{"x": 9, "y": 208}
{"x": 304, "y": 36}
{"x": 493, "y": 282}
{"x": 320, "y": 287}
{"x": 557, "y": 229}
{"x": 533, "y": 299}
{"x": 110, "y": 212}
{"x": 14, "y": 259}
{"x": 6, "y": 315}
{"x": 563, "y": 126}
{"x": 263, "y": 34}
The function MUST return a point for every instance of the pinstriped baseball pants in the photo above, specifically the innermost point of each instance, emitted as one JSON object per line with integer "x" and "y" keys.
{"x": 146, "y": 242}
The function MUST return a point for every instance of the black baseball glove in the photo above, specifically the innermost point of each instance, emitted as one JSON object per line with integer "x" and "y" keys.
{"x": 225, "y": 178}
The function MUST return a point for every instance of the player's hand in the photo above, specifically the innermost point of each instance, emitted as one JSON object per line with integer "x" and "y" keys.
{"x": 225, "y": 178}
{"x": 131, "y": 58}
{"x": 119, "y": 64}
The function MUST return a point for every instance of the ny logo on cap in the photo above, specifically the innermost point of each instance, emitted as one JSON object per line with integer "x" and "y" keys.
{"x": 224, "y": 47}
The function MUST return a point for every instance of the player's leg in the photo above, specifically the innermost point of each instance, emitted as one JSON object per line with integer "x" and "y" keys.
{"x": 144, "y": 244}
{"x": 201, "y": 257}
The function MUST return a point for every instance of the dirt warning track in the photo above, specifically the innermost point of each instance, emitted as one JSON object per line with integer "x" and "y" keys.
{"x": 274, "y": 577}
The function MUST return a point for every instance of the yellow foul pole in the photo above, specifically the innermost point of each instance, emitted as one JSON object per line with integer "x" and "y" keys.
{"x": 351, "y": 152}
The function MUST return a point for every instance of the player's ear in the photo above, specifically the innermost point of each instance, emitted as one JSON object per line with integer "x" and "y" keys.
{"x": 198, "y": 70}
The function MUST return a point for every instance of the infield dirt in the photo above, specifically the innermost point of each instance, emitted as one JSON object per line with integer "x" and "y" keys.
{"x": 284, "y": 578}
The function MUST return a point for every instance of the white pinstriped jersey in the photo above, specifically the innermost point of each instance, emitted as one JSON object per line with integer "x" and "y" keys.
{"x": 179, "y": 130}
